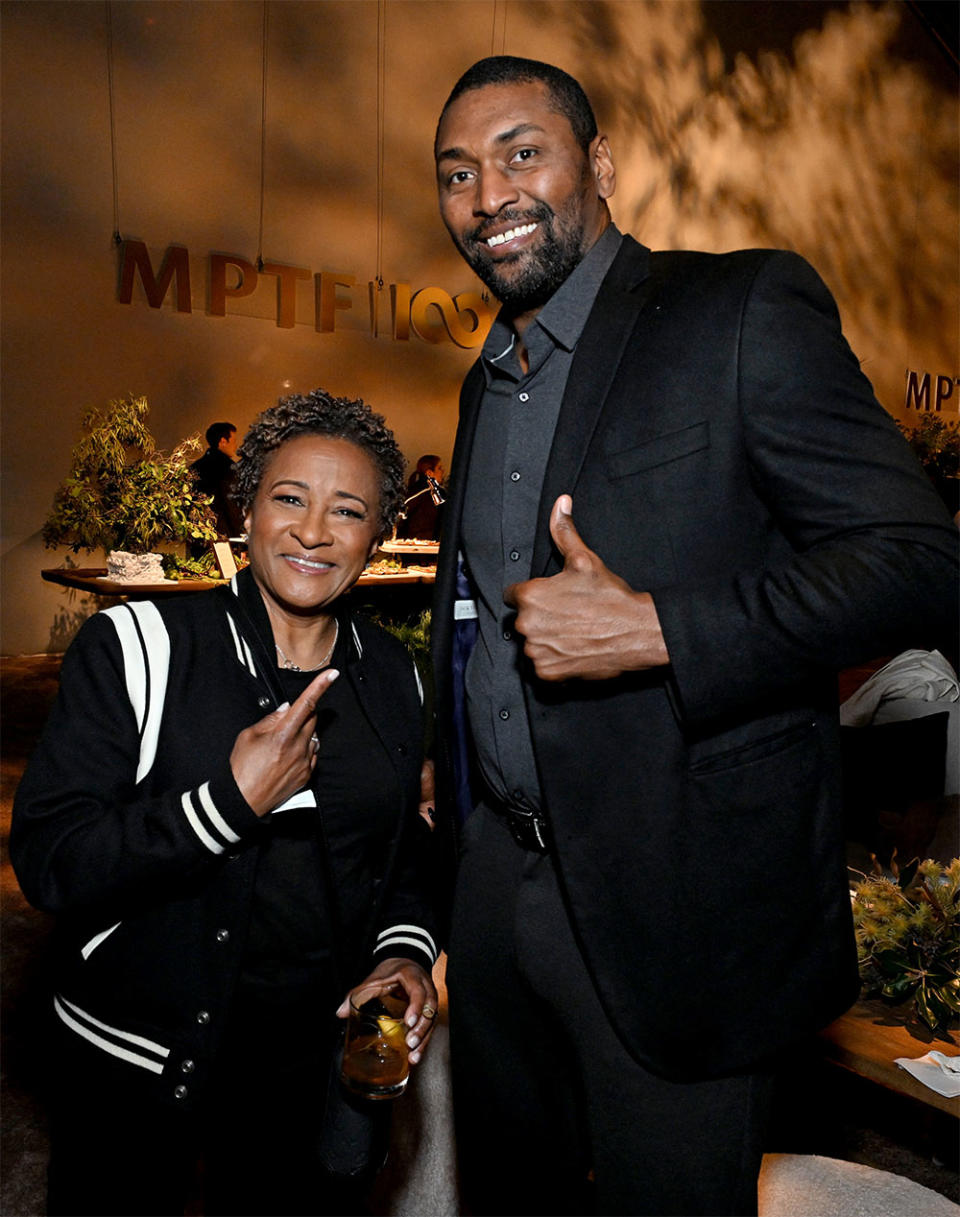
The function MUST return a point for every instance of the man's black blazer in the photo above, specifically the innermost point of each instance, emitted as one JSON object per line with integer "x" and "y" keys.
{"x": 725, "y": 453}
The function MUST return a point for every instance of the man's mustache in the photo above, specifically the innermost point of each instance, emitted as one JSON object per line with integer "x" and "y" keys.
{"x": 542, "y": 213}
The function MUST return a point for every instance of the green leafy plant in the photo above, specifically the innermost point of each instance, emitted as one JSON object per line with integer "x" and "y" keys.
{"x": 908, "y": 940}
{"x": 415, "y": 635}
{"x": 936, "y": 443}
{"x": 122, "y": 492}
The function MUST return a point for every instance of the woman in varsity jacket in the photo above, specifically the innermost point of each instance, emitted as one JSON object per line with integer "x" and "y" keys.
{"x": 222, "y": 813}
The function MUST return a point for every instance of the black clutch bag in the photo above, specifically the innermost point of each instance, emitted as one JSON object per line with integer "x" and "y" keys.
{"x": 356, "y": 1132}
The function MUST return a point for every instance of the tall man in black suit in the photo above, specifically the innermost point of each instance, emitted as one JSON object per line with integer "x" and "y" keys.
{"x": 676, "y": 511}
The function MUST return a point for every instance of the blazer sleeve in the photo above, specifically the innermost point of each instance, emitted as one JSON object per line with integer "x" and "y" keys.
{"x": 85, "y": 833}
{"x": 866, "y": 561}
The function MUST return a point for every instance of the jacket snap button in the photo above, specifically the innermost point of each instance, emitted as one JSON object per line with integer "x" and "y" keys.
{"x": 187, "y": 1066}
{"x": 203, "y": 1017}
{"x": 180, "y": 1092}
{"x": 223, "y": 935}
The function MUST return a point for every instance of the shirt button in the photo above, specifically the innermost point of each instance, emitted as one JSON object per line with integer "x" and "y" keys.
{"x": 180, "y": 1092}
{"x": 508, "y": 635}
{"x": 504, "y": 714}
{"x": 263, "y": 702}
{"x": 203, "y": 1017}
{"x": 222, "y": 935}
{"x": 514, "y": 555}
{"x": 187, "y": 1066}
{"x": 515, "y": 476}
{"x": 524, "y": 396}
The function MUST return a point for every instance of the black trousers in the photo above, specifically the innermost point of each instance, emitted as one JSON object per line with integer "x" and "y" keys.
{"x": 553, "y": 1115}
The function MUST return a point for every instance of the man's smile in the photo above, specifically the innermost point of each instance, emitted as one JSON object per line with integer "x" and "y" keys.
{"x": 512, "y": 234}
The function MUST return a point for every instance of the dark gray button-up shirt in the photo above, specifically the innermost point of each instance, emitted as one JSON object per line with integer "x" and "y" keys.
{"x": 515, "y": 428}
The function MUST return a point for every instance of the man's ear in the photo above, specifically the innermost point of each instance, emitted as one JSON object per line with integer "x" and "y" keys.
{"x": 602, "y": 166}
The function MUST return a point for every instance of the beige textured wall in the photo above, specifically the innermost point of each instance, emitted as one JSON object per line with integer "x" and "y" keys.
{"x": 827, "y": 128}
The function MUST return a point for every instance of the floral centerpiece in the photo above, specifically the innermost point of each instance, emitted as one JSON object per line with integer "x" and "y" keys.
{"x": 908, "y": 939}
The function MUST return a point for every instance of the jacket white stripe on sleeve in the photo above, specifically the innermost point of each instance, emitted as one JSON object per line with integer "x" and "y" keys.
{"x": 205, "y": 820}
{"x": 146, "y": 661}
{"x": 216, "y": 819}
{"x": 83, "y": 1024}
{"x": 411, "y": 935}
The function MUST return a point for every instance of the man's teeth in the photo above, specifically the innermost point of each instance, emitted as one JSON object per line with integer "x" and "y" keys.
{"x": 314, "y": 565}
{"x": 501, "y": 237}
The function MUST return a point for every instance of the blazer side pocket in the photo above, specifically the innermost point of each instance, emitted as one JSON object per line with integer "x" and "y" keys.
{"x": 756, "y": 750}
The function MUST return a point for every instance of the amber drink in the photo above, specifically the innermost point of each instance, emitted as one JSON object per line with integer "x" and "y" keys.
{"x": 375, "y": 1061}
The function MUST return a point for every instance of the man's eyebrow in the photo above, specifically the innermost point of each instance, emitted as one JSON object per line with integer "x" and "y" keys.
{"x": 461, "y": 154}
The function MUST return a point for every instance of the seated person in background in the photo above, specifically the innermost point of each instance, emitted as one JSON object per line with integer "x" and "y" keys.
{"x": 422, "y": 514}
{"x": 216, "y": 471}
{"x": 222, "y": 814}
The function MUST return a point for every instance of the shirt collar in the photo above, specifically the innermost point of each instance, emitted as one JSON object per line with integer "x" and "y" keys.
{"x": 565, "y": 314}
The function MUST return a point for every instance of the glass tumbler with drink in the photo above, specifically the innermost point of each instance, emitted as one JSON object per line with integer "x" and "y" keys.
{"x": 375, "y": 1061}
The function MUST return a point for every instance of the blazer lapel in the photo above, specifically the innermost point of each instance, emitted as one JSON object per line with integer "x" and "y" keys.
{"x": 470, "y": 397}
{"x": 621, "y": 298}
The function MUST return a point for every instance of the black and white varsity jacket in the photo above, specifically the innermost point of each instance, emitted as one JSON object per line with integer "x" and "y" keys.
{"x": 129, "y": 826}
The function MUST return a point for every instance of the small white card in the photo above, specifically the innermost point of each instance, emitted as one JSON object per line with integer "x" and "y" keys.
{"x": 223, "y": 556}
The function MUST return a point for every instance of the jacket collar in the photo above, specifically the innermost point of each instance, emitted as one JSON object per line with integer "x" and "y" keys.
{"x": 252, "y": 635}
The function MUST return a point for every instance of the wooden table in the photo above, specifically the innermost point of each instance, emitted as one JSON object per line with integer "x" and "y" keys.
{"x": 93, "y": 579}
{"x": 871, "y": 1035}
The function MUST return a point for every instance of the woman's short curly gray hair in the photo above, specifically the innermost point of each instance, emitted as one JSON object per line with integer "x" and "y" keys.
{"x": 319, "y": 413}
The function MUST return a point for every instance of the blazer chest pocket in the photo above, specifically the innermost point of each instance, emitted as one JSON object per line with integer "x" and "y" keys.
{"x": 658, "y": 451}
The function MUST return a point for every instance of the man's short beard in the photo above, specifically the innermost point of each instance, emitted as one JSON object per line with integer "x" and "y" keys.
{"x": 555, "y": 261}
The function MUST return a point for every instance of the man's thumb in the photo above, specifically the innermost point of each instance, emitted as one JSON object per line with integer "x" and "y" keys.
{"x": 563, "y": 530}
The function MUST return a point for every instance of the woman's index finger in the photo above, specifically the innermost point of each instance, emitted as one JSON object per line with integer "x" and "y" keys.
{"x": 306, "y": 704}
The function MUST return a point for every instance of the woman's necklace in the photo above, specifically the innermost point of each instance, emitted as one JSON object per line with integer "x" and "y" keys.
{"x": 295, "y": 667}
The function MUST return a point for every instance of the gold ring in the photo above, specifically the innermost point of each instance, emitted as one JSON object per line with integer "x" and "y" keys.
{"x": 428, "y": 1012}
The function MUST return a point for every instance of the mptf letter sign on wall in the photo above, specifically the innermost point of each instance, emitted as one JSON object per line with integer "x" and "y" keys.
{"x": 918, "y": 393}
{"x": 432, "y": 313}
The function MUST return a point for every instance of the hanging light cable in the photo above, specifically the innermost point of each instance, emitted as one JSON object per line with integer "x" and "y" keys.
{"x": 381, "y": 92}
{"x": 263, "y": 131}
{"x": 499, "y": 17}
{"x": 117, "y": 238}
{"x": 499, "y": 10}
{"x": 376, "y": 285}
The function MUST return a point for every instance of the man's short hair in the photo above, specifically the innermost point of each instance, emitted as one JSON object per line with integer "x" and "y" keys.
{"x": 218, "y": 431}
{"x": 565, "y": 94}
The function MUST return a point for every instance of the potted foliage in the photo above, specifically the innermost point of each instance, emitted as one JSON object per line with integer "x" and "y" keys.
{"x": 126, "y": 497}
{"x": 908, "y": 939}
{"x": 936, "y": 443}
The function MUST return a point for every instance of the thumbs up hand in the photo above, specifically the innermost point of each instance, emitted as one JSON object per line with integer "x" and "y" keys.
{"x": 585, "y": 621}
